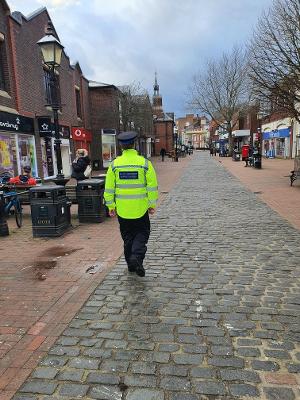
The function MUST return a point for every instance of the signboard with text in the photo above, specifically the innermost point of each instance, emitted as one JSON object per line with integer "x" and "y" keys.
{"x": 16, "y": 123}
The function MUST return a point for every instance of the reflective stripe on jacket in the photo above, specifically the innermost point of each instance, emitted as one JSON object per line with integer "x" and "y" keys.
{"x": 131, "y": 185}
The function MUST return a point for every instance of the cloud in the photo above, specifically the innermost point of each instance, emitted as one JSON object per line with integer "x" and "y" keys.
{"x": 120, "y": 41}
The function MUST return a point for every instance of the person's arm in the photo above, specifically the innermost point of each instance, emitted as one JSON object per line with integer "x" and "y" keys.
{"x": 109, "y": 191}
{"x": 152, "y": 188}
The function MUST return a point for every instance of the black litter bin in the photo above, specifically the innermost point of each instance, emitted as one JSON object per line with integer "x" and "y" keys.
{"x": 50, "y": 211}
{"x": 257, "y": 161}
{"x": 91, "y": 206}
{"x": 96, "y": 165}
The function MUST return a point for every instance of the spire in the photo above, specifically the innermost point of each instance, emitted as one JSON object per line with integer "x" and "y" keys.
{"x": 156, "y": 86}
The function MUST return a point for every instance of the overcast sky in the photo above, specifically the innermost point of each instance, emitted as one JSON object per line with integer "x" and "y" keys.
{"x": 120, "y": 41}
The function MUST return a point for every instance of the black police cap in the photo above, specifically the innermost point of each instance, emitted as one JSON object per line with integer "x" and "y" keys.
{"x": 127, "y": 137}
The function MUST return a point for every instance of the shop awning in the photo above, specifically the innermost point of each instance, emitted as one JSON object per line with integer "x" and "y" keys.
{"x": 277, "y": 133}
{"x": 241, "y": 132}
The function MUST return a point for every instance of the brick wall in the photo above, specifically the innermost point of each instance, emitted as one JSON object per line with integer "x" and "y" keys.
{"x": 104, "y": 114}
{"x": 163, "y": 131}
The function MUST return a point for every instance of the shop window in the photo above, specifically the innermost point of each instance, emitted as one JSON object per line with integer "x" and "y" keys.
{"x": 2, "y": 64}
{"x": 8, "y": 155}
{"x": 52, "y": 96}
{"x": 78, "y": 103}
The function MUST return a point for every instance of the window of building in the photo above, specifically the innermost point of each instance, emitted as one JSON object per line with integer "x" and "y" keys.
{"x": 78, "y": 103}
{"x": 51, "y": 96}
{"x": 2, "y": 63}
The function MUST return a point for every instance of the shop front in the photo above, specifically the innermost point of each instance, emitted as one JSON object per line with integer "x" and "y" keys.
{"x": 47, "y": 133}
{"x": 240, "y": 138}
{"x": 109, "y": 146}
{"x": 17, "y": 144}
{"x": 82, "y": 139}
{"x": 277, "y": 142}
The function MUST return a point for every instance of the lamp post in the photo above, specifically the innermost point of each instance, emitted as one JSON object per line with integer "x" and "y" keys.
{"x": 51, "y": 51}
{"x": 260, "y": 115}
{"x": 176, "y": 143}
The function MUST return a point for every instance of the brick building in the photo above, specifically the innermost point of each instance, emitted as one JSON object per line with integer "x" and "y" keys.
{"x": 27, "y": 131}
{"x": 163, "y": 123}
{"x": 105, "y": 117}
{"x": 193, "y": 130}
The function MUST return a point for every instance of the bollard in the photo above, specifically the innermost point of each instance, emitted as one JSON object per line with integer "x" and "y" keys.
{"x": 3, "y": 223}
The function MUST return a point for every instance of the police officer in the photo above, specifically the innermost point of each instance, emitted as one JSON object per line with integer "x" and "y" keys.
{"x": 131, "y": 193}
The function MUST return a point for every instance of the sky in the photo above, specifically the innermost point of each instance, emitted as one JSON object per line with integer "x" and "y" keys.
{"x": 124, "y": 41}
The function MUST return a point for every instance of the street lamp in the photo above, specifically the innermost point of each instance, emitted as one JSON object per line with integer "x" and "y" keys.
{"x": 176, "y": 144}
{"x": 51, "y": 51}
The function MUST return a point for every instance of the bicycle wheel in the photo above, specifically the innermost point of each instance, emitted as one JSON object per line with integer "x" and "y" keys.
{"x": 18, "y": 213}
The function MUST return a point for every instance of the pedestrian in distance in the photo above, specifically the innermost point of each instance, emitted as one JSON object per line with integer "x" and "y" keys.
{"x": 163, "y": 152}
{"x": 81, "y": 168}
{"x": 211, "y": 150}
{"x": 131, "y": 194}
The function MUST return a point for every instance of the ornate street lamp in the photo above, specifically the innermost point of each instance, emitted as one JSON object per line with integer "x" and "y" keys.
{"x": 51, "y": 51}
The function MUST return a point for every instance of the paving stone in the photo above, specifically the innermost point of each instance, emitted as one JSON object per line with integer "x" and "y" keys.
{"x": 114, "y": 366}
{"x": 198, "y": 372}
{"x": 145, "y": 394}
{"x": 143, "y": 368}
{"x": 239, "y": 375}
{"x": 192, "y": 359}
{"x": 221, "y": 350}
{"x": 83, "y": 363}
{"x": 210, "y": 388}
{"x": 105, "y": 392}
{"x": 275, "y": 393}
{"x": 248, "y": 352}
{"x": 175, "y": 370}
{"x": 71, "y": 375}
{"x": 140, "y": 380}
{"x": 241, "y": 390}
{"x": 282, "y": 354}
{"x": 226, "y": 362}
{"x": 175, "y": 383}
{"x": 40, "y": 387}
{"x": 73, "y": 390}
{"x": 96, "y": 377}
{"x": 293, "y": 368}
{"x": 45, "y": 373}
{"x": 265, "y": 365}
{"x": 97, "y": 353}
{"x": 169, "y": 347}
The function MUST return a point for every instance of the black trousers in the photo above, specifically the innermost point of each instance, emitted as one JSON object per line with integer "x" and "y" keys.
{"x": 135, "y": 234}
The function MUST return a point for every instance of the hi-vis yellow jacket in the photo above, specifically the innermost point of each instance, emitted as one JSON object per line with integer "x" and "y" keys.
{"x": 131, "y": 185}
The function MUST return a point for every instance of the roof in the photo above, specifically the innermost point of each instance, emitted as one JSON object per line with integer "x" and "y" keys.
{"x": 165, "y": 118}
{"x": 95, "y": 84}
{"x": 5, "y": 5}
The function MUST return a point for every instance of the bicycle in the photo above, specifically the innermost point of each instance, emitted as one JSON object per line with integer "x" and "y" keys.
{"x": 12, "y": 204}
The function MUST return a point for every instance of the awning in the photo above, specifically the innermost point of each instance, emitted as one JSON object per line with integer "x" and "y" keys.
{"x": 241, "y": 132}
{"x": 277, "y": 133}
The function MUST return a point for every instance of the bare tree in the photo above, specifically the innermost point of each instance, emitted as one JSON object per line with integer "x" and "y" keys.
{"x": 221, "y": 91}
{"x": 275, "y": 58}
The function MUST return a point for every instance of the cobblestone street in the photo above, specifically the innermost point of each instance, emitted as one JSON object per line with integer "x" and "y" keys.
{"x": 216, "y": 317}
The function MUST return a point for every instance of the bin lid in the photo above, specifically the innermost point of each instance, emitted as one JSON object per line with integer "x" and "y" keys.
{"x": 91, "y": 182}
{"x": 46, "y": 188}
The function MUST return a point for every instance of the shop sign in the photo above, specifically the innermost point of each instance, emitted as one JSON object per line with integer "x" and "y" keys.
{"x": 81, "y": 134}
{"x": 16, "y": 123}
{"x": 46, "y": 128}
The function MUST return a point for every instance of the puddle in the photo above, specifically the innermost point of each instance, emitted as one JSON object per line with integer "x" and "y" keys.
{"x": 46, "y": 264}
{"x": 59, "y": 251}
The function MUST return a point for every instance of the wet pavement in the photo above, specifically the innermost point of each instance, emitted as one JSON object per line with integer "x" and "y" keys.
{"x": 216, "y": 317}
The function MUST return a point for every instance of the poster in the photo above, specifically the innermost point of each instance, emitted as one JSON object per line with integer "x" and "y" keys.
{"x": 109, "y": 150}
{"x": 8, "y": 162}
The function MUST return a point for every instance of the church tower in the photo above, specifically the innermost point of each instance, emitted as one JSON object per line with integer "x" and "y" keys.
{"x": 157, "y": 99}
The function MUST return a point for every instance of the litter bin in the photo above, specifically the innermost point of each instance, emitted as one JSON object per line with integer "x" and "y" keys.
{"x": 3, "y": 223}
{"x": 236, "y": 156}
{"x": 90, "y": 198}
{"x": 50, "y": 210}
{"x": 257, "y": 161}
{"x": 96, "y": 165}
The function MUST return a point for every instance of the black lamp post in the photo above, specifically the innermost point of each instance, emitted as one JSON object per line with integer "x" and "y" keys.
{"x": 176, "y": 144}
{"x": 52, "y": 50}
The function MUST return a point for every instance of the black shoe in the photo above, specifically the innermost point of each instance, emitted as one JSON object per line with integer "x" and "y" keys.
{"x": 135, "y": 263}
{"x": 131, "y": 268}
